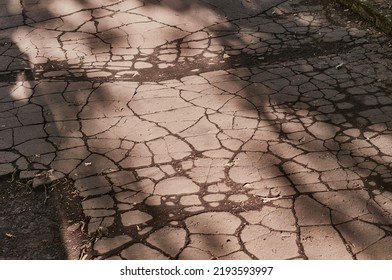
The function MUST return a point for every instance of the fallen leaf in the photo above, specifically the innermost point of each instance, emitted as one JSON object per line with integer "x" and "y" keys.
{"x": 268, "y": 199}
{"x": 109, "y": 170}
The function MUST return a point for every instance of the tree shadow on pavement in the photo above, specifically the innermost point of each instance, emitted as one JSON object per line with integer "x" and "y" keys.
{"x": 273, "y": 109}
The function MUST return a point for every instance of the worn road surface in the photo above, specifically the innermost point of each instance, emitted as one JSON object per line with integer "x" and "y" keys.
{"x": 204, "y": 129}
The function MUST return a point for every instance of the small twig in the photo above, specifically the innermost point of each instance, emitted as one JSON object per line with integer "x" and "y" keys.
{"x": 13, "y": 176}
{"x": 29, "y": 185}
{"x": 46, "y": 194}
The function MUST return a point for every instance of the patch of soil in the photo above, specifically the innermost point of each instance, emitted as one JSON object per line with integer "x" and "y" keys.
{"x": 39, "y": 224}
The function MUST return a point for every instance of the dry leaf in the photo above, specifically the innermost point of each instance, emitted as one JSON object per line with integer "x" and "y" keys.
{"x": 109, "y": 170}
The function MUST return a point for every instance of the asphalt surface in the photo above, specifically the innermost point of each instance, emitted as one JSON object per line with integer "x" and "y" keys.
{"x": 204, "y": 129}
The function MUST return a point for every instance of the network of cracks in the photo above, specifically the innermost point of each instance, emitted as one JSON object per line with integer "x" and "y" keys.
{"x": 260, "y": 130}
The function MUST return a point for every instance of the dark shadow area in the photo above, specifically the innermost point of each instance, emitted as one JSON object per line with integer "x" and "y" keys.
{"x": 28, "y": 230}
{"x": 35, "y": 223}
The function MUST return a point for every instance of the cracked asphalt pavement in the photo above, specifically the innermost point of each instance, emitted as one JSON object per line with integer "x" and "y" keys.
{"x": 204, "y": 129}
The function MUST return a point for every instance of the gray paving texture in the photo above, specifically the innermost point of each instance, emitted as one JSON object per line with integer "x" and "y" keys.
{"x": 204, "y": 129}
